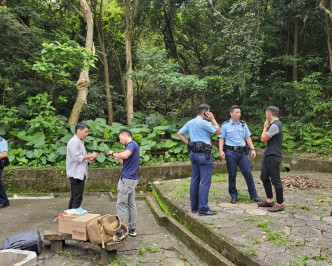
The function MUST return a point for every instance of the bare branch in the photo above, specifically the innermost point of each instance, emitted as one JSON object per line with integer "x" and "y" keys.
{"x": 76, "y": 9}
{"x": 216, "y": 11}
{"x": 327, "y": 11}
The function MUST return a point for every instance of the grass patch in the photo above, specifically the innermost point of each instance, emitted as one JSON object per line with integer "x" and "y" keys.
{"x": 291, "y": 211}
{"x": 252, "y": 218}
{"x": 231, "y": 218}
{"x": 118, "y": 262}
{"x": 141, "y": 251}
{"x": 264, "y": 224}
{"x": 279, "y": 238}
{"x": 212, "y": 224}
{"x": 153, "y": 248}
{"x": 305, "y": 207}
{"x": 141, "y": 260}
{"x": 219, "y": 177}
{"x": 215, "y": 194}
{"x": 304, "y": 259}
{"x": 181, "y": 190}
{"x": 244, "y": 197}
{"x": 67, "y": 254}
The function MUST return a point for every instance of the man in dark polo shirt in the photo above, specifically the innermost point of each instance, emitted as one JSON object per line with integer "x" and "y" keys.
{"x": 272, "y": 135}
{"x": 130, "y": 161}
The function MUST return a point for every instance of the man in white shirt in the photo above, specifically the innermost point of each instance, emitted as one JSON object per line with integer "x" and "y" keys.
{"x": 77, "y": 164}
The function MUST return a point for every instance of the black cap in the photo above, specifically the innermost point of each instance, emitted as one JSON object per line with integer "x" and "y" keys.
{"x": 273, "y": 109}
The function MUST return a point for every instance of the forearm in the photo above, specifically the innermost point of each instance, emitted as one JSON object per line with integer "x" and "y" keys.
{"x": 120, "y": 156}
{"x": 221, "y": 144}
{"x": 4, "y": 154}
{"x": 250, "y": 143}
{"x": 264, "y": 137}
{"x": 183, "y": 138}
{"x": 215, "y": 123}
{"x": 119, "y": 160}
{"x": 86, "y": 157}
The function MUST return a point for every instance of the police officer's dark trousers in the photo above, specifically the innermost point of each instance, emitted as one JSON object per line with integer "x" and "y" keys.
{"x": 201, "y": 174}
{"x": 77, "y": 189}
{"x": 234, "y": 159}
{"x": 3, "y": 197}
{"x": 271, "y": 173}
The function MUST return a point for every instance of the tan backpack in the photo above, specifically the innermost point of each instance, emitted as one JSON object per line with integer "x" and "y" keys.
{"x": 103, "y": 228}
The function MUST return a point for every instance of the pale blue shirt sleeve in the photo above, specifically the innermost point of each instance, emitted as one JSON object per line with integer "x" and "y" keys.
{"x": 3, "y": 145}
{"x": 184, "y": 129}
{"x": 223, "y": 132}
{"x": 246, "y": 131}
{"x": 210, "y": 127}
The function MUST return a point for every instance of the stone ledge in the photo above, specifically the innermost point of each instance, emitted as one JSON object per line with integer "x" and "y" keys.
{"x": 203, "y": 251}
{"x": 104, "y": 179}
{"x": 215, "y": 241}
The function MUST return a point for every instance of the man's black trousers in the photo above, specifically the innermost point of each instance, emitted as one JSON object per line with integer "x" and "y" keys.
{"x": 271, "y": 173}
{"x": 77, "y": 188}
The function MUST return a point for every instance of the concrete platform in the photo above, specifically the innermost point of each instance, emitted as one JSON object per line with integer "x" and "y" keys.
{"x": 248, "y": 235}
{"x": 154, "y": 244}
{"x": 13, "y": 257}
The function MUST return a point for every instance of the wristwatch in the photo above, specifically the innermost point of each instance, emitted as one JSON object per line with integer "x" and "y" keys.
{"x": 112, "y": 153}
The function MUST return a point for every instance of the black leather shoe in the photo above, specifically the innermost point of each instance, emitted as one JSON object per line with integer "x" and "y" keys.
{"x": 234, "y": 200}
{"x": 194, "y": 211}
{"x": 207, "y": 213}
{"x": 4, "y": 205}
{"x": 256, "y": 199}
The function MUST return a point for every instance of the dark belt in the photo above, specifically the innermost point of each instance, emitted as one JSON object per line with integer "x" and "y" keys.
{"x": 236, "y": 148}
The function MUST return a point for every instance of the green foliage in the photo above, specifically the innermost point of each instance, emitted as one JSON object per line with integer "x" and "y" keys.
{"x": 57, "y": 60}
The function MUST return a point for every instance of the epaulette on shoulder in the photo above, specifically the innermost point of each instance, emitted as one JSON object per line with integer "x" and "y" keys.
{"x": 226, "y": 122}
{"x": 242, "y": 122}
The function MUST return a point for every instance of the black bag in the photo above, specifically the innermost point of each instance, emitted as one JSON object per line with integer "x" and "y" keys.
{"x": 25, "y": 241}
{"x": 4, "y": 162}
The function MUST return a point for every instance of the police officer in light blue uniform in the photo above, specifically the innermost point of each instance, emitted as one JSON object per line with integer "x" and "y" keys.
{"x": 232, "y": 146}
{"x": 4, "y": 202}
{"x": 200, "y": 130}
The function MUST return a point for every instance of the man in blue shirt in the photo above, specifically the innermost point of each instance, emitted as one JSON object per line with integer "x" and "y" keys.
{"x": 200, "y": 130}
{"x": 4, "y": 202}
{"x": 130, "y": 161}
{"x": 232, "y": 146}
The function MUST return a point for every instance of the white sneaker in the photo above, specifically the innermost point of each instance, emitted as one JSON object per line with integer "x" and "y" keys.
{"x": 132, "y": 232}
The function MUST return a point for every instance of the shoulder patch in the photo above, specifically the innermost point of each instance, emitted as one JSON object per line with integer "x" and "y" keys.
{"x": 225, "y": 122}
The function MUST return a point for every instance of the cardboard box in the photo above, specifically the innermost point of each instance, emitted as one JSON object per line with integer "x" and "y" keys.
{"x": 79, "y": 225}
{"x": 65, "y": 223}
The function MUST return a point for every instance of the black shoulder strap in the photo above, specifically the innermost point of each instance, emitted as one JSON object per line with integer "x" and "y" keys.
{"x": 225, "y": 122}
{"x": 243, "y": 123}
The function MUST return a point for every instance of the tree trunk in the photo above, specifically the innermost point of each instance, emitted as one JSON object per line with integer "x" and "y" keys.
{"x": 101, "y": 39}
{"x": 83, "y": 82}
{"x": 130, "y": 14}
{"x": 296, "y": 49}
{"x": 176, "y": 53}
{"x": 328, "y": 33}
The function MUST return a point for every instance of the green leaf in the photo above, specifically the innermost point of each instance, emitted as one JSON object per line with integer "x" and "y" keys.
{"x": 52, "y": 157}
{"x": 170, "y": 143}
{"x": 101, "y": 157}
{"x": 62, "y": 150}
